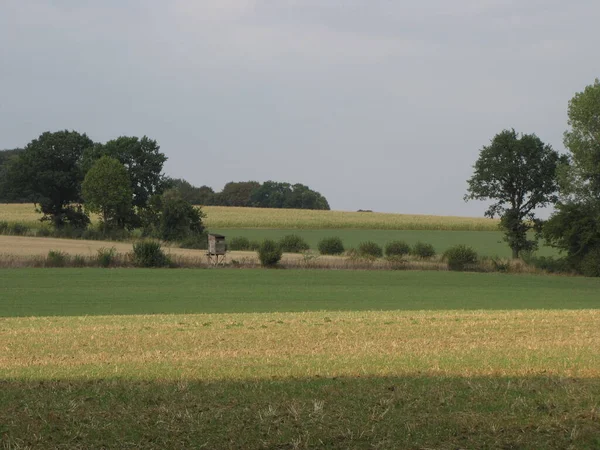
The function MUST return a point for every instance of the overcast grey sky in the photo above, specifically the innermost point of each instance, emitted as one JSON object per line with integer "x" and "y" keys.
{"x": 377, "y": 104}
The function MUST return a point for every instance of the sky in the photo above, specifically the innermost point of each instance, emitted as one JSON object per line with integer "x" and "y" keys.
{"x": 377, "y": 104}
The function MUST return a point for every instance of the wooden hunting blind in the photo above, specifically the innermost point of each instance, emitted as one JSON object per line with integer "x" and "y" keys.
{"x": 216, "y": 249}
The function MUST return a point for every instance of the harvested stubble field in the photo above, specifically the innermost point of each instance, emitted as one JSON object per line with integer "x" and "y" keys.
{"x": 391, "y": 379}
{"x": 229, "y": 217}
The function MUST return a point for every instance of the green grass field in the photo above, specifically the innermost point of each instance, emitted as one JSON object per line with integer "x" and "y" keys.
{"x": 75, "y": 292}
{"x": 486, "y": 243}
{"x": 291, "y": 359}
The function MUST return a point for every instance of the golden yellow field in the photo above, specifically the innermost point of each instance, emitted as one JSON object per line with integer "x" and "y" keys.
{"x": 229, "y": 217}
{"x": 326, "y": 344}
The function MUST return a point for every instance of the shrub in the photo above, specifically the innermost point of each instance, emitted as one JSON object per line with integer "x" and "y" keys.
{"x": 44, "y": 232}
{"x": 254, "y": 245}
{"x": 149, "y": 254}
{"x": 397, "y": 248}
{"x": 78, "y": 261}
{"x": 196, "y": 242}
{"x": 331, "y": 246}
{"x": 590, "y": 264}
{"x": 423, "y": 250}
{"x": 460, "y": 257}
{"x": 549, "y": 264}
{"x": 3, "y": 227}
{"x": 106, "y": 256}
{"x": 370, "y": 249}
{"x": 239, "y": 244}
{"x": 269, "y": 253}
{"x": 18, "y": 229}
{"x": 292, "y": 243}
{"x": 56, "y": 258}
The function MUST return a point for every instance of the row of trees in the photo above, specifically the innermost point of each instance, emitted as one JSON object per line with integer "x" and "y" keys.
{"x": 68, "y": 176}
{"x": 270, "y": 194}
{"x": 520, "y": 174}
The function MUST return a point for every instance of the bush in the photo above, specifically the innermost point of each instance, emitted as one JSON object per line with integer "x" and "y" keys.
{"x": 548, "y": 263}
{"x": 106, "y": 256}
{"x": 269, "y": 253}
{"x": 254, "y": 245}
{"x": 370, "y": 249}
{"x": 239, "y": 244}
{"x": 331, "y": 246}
{"x": 56, "y": 258}
{"x": 460, "y": 257}
{"x": 292, "y": 243}
{"x": 590, "y": 264}
{"x": 3, "y": 227}
{"x": 423, "y": 250}
{"x": 397, "y": 248}
{"x": 149, "y": 254}
{"x": 78, "y": 261}
{"x": 18, "y": 229}
{"x": 44, "y": 232}
{"x": 197, "y": 242}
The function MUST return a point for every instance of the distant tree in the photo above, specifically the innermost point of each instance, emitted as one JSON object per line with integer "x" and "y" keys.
{"x": 519, "y": 173}
{"x": 106, "y": 190}
{"x": 273, "y": 194}
{"x": 237, "y": 193}
{"x": 142, "y": 159}
{"x": 575, "y": 226}
{"x": 8, "y": 194}
{"x": 169, "y": 217}
{"x": 202, "y": 195}
{"x": 49, "y": 172}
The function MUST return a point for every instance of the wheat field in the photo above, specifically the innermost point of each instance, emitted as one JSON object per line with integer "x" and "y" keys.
{"x": 232, "y": 217}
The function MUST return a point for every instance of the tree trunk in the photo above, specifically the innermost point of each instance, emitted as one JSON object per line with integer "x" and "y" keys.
{"x": 515, "y": 253}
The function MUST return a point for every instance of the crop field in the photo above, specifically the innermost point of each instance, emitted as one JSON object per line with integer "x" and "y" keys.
{"x": 229, "y": 217}
{"x": 130, "y": 358}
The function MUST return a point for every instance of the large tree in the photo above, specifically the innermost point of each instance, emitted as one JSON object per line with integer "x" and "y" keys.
{"x": 518, "y": 173}
{"x": 575, "y": 227}
{"x": 106, "y": 190}
{"x": 49, "y": 172}
{"x": 237, "y": 193}
{"x": 142, "y": 159}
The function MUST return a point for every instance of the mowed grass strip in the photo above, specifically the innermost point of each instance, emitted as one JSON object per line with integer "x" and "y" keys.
{"x": 282, "y": 345}
{"x": 232, "y": 217}
{"x": 495, "y": 379}
{"x": 76, "y": 292}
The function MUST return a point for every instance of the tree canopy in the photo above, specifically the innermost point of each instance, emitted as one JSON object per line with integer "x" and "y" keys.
{"x": 106, "y": 190}
{"x": 518, "y": 173}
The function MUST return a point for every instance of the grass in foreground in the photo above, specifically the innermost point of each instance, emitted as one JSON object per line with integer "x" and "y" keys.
{"x": 73, "y": 292}
{"x": 509, "y": 379}
{"x": 229, "y": 217}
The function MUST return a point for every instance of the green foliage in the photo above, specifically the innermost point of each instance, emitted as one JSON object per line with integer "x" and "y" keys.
{"x": 549, "y": 264}
{"x": 106, "y": 256}
{"x": 460, "y": 257}
{"x": 14, "y": 229}
{"x": 423, "y": 250}
{"x": 149, "y": 254}
{"x": 292, "y": 243}
{"x": 56, "y": 258}
{"x": 590, "y": 263}
{"x": 195, "y": 242}
{"x": 202, "y": 195}
{"x": 49, "y": 172}
{"x": 239, "y": 244}
{"x": 8, "y": 192}
{"x": 142, "y": 160}
{"x": 106, "y": 190}
{"x": 519, "y": 174}
{"x": 370, "y": 249}
{"x": 331, "y": 246}
{"x": 269, "y": 253}
{"x": 254, "y": 245}
{"x": 169, "y": 217}
{"x": 581, "y": 177}
{"x": 397, "y": 248}
{"x": 236, "y": 193}
{"x": 78, "y": 261}
{"x": 272, "y": 194}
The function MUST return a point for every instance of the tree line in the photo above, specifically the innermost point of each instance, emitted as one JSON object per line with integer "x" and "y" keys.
{"x": 520, "y": 173}
{"x": 68, "y": 176}
{"x": 270, "y": 194}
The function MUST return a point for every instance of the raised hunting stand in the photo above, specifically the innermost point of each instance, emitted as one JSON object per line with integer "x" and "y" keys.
{"x": 216, "y": 249}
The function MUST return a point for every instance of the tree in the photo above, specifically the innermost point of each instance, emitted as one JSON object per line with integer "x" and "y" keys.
{"x": 519, "y": 173}
{"x": 8, "y": 193}
{"x": 237, "y": 193}
{"x": 202, "y": 195}
{"x": 273, "y": 194}
{"x": 171, "y": 218}
{"x": 106, "y": 190}
{"x": 49, "y": 172}
{"x": 575, "y": 226}
{"x": 143, "y": 161}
